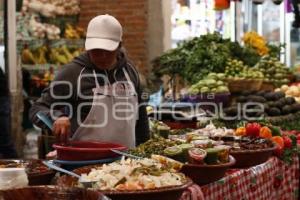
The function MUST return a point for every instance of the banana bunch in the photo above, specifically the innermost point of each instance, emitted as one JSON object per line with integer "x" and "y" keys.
{"x": 27, "y": 56}
{"x": 63, "y": 55}
{"x": 256, "y": 41}
{"x": 72, "y": 32}
{"x": 37, "y": 56}
{"x": 42, "y": 55}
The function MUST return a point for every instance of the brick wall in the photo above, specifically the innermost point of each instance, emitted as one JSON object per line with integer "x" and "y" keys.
{"x": 132, "y": 14}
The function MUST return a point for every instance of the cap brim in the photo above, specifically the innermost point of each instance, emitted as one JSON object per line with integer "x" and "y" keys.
{"x": 97, "y": 43}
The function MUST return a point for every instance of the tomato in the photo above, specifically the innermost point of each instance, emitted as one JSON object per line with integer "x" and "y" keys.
{"x": 278, "y": 151}
{"x": 252, "y": 129}
{"x": 287, "y": 142}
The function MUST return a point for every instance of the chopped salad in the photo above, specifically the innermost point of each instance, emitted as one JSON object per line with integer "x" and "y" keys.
{"x": 129, "y": 174}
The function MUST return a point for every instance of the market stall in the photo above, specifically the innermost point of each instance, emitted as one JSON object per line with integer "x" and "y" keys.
{"x": 229, "y": 131}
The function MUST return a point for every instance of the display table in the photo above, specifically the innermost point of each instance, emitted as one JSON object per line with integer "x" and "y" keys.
{"x": 271, "y": 180}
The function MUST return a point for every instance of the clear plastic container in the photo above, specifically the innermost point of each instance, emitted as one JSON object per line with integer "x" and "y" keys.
{"x": 13, "y": 178}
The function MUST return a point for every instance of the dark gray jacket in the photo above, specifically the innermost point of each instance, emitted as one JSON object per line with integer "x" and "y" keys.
{"x": 70, "y": 74}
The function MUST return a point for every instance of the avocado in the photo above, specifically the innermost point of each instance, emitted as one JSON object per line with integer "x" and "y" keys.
{"x": 255, "y": 98}
{"x": 241, "y": 99}
{"x": 261, "y": 93}
{"x": 271, "y": 103}
{"x": 278, "y": 104}
{"x": 270, "y": 96}
{"x": 286, "y": 109}
{"x": 266, "y": 107}
{"x": 279, "y": 95}
{"x": 295, "y": 107}
{"x": 290, "y": 100}
{"x": 246, "y": 93}
{"x": 274, "y": 111}
{"x": 282, "y": 101}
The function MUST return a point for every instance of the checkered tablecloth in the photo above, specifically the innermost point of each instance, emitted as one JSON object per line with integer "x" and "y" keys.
{"x": 272, "y": 180}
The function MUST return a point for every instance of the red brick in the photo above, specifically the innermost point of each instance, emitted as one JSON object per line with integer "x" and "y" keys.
{"x": 132, "y": 14}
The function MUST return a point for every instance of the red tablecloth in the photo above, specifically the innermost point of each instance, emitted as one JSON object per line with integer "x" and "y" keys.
{"x": 272, "y": 180}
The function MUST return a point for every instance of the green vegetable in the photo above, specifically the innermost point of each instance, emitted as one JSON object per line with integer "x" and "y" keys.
{"x": 152, "y": 146}
{"x": 195, "y": 59}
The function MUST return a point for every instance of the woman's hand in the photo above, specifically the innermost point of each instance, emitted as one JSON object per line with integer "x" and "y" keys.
{"x": 62, "y": 129}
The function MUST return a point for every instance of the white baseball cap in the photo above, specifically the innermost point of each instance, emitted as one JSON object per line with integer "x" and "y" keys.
{"x": 103, "y": 32}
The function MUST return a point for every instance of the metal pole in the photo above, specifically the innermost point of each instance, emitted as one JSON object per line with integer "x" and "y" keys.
{"x": 259, "y": 20}
{"x": 282, "y": 31}
{"x": 233, "y": 21}
{"x": 11, "y": 48}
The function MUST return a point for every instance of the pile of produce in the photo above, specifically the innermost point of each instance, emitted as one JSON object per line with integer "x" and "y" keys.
{"x": 52, "y": 8}
{"x": 134, "y": 175}
{"x": 42, "y": 55}
{"x": 152, "y": 146}
{"x": 74, "y": 32}
{"x": 194, "y": 59}
{"x": 236, "y": 70}
{"x": 43, "y": 30}
{"x": 213, "y": 83}
{"x": 290, "y": 91}
{"x": 286, "y": 142}
{"x": 274, "y": 71}
{"x": 273, "y": 104}
{"x": 40, "y": 80}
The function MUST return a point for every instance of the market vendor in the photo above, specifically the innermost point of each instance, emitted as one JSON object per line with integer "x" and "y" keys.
{"x": 98, "y": 95}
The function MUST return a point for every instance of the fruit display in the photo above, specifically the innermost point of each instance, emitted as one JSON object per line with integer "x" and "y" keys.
{"x": 257, "y": 42}
{"x": 274, "y": 71}
{"x": 40, "y": 80}
{"x": 52, "y": 8}
{"x": 262, "y": 136}
{"x": 42, "y": 30}
{"x": 196, "y": 58}
{"x": 236, "y": 70}
{"x": 213, "y": 83}
{"x": 290, "y": 91}
{"x": 268, "y": 104}
{"x": 59, "y": 55}
{"x": 72, "y": 32}
{"x": 62, "y": 55}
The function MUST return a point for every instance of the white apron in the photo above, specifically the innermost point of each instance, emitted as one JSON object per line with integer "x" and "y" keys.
{"x": 113, "y": 114}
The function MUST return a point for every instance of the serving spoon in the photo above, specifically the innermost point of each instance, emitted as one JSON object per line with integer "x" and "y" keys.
{"x": 125, "y": 154}
{"x": 85, "y": 183}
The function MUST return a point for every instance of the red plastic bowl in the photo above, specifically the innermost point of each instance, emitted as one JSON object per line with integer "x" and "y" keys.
{"x": 87, "y": 150}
